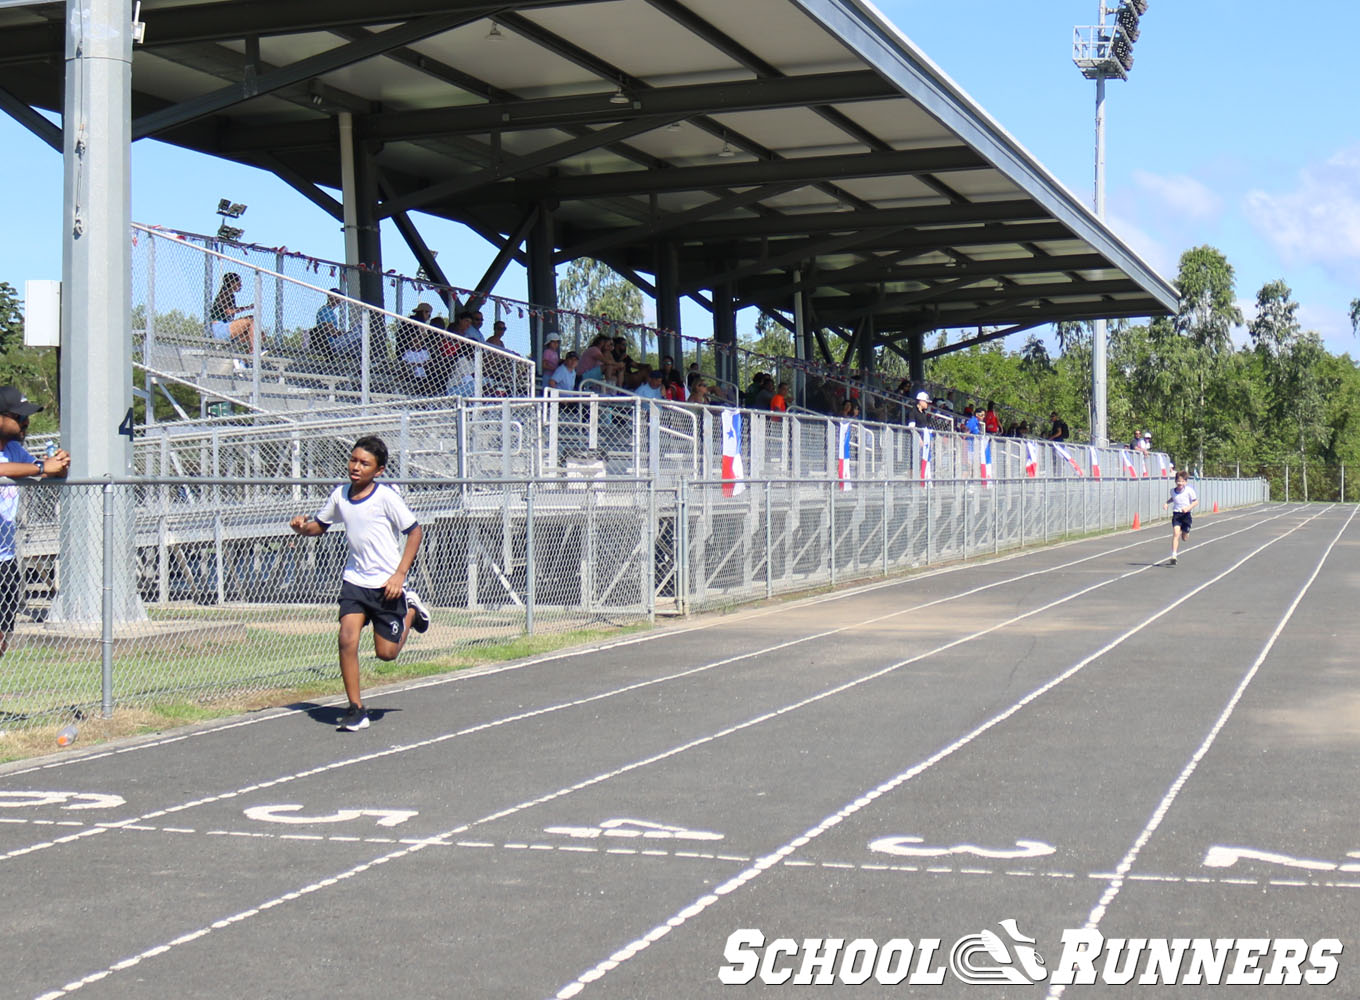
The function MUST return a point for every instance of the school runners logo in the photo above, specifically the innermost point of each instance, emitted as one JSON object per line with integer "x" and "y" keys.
{"x": 985, "y": 958}
{"x": 1010, "y": 957}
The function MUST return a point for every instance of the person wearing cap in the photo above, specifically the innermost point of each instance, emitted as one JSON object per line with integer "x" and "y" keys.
{"x": 652, "y": 388}
{"x": 17, "y": 463}
{"x": 920, "y": 413}
{"x": 564, "y": 375}
{"x": 551, "y": 357}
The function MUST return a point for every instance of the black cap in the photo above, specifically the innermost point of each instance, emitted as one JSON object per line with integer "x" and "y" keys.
{"x": 654, "y": 373}
{"x": 14, "y": 401}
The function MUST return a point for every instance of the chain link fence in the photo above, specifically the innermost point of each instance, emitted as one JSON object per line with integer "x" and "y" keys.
{"x": 163, "y": 590}
{"x": 1293, "y": 481}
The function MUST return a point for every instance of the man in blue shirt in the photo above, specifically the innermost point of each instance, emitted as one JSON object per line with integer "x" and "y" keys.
{"x": 17, "y": 463}
{"x": 652, "y": 388}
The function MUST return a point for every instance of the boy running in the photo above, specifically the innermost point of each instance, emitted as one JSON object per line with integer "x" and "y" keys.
{"x": 1182, "y": 501}
{"x": 373, "y": 585}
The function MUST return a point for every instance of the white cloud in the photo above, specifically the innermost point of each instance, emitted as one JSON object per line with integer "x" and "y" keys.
{"x": 1163, "y": 258}
{"x": 1180, "y": 194}
{"x": 1319, "y": 220}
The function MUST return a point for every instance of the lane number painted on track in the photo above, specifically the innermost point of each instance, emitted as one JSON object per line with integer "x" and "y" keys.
{"x": 67, "y": 800}
{"x": 1225, "y": 857}
{"x": 904, "y": 847}
{"x": 289, "y": 814}
{"x": 633, "y": 828}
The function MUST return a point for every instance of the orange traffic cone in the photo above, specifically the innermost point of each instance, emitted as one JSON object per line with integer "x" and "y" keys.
{"x": 1136, "y": 525}
{"x": 1215, "y": 506}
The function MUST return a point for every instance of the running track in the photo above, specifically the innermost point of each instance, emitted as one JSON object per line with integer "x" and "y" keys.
{"x": 1064, "y": 737}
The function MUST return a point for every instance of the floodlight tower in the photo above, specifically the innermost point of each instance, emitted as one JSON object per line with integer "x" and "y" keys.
{"x": 1104, "y": 51}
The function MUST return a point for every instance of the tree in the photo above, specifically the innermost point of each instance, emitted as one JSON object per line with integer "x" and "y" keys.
{"x": 32, "y": 369}
{"x": 1207, "y": 313}
{"x": 594, "y": 288}
{"x": 1355, "y": 316}
{"x": 1291, "y": 359}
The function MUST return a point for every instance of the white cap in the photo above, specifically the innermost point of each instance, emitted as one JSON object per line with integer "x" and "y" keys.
{"x": 923, "y": 397}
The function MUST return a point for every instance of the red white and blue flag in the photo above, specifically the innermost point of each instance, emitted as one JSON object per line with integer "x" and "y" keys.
{"x": 732, "y": 471}
{"x": 987, "y": 461}
{"x": 843, "y": 456}
{"x": 1068, "y": 455}
{"x": 927, "y": 436}
{"x": 1161, "y": 460}
{"x": 1095, "y": 463}
{"x": 1142, "y": 457}
{"x": 1129, "y": 470}
{"x": 1031, "y": 460}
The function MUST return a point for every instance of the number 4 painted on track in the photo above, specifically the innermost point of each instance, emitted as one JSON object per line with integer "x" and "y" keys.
{"x": 271, "y": 814}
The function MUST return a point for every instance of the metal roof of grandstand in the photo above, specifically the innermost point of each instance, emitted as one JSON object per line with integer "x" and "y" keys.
{"x": 759, "y": 137}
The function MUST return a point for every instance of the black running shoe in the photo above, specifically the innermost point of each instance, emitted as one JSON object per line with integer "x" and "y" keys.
{"x": 1172, "y": 561}
{"x": 422, "y": 619}
{"x": 355, "y": 719}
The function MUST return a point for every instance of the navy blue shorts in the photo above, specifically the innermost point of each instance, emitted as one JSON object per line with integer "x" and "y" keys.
{"x": 388, "y": 617}
{"x": 1181, "y": 519}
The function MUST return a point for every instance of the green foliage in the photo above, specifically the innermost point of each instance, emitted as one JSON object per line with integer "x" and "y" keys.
{"x": 32, "y": 369}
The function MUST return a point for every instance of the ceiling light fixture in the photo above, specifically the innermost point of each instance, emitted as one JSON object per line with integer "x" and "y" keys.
{"x": 619, "y": 97}
{"x": 494, "y": 35}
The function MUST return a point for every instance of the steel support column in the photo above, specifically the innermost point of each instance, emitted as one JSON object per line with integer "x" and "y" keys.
{"x": 540, "y": 245}
{"x": 668, "y": 303}
{"x": 725, "y": 333}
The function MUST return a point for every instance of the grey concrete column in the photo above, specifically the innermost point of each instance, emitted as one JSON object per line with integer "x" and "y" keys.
{"x": 916, "y": 362}
{"x": 369, "y": 230}
{"x": 96, "y": 373}
{"x": 725, "y": 332}
{"x": 668, "y": 303}
{"x": 539, "y": 247}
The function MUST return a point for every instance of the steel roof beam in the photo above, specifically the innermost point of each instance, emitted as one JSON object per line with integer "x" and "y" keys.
{"x": 1011, "y": 293}
{"x": 514, "y": 164}
{"x": 304, "y": 69}
{"x": 225, "y": 22}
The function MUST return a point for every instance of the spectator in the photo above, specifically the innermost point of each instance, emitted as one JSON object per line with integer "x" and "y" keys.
{"x": 971, "y": 423}
{"x": 476, "y": 327}
{"x": 551, "y": 356}
{"x": 766, "y": 394}
{"x": 497, "y": 338}
{"x": 563, "y": 376}
{"x": 407, "y": 328}
{"x": 779, "y": 402}
{"x": 698, "y": 390}
{"x": 1057, "y": 431}
{"x": 222, "y": 321}
{"x": 989, "y": 419}
{"x": 849, "y": 409}
{"x": 919, "y": 415}
{"x": 652, "y": 389}
{"x": 322, "y": 336}
{"x": 416, "y": 367}
{"x": 668, "y": 369}
{"x": 675, "y": 387}
{"x": 1144, "y": 444}
{"x": 592, "y": 363}
{"x": 17, "y": 463}
{"x": 500, "y": 369}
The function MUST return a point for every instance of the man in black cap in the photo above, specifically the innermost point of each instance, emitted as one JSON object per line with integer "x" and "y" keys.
{"x": 652, "y": 388}
{"x": 17, "y": 463}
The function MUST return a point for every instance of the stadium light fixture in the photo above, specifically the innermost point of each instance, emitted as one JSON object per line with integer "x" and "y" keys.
{"x": 494, "y": 35}
{"x": 229, "y": 209}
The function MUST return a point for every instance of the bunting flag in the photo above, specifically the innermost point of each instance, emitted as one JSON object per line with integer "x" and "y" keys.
{"x": 987, "y": 462}
{"x": 1068, "y": 455}
{"x": 732, "y": 471}
{"x": 1129, "y": 470}
{"x": 843, "y": 456}
{"x": 1031, "y": 460}
{"x": 926, "y": 437}
{"x": 1095, "y": 463}
{"x": 1142, "y": 457}
{"x": 1161, "y": 460}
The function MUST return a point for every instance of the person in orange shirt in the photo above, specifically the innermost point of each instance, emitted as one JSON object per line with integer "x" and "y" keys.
{"x": 779, "y": 402}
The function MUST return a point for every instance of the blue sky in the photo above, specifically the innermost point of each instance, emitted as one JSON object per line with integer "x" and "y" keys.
{"x": 1238, "y": 128}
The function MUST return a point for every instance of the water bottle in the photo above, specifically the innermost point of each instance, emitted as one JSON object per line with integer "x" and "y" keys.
{"x": 67, "y": 736}
{"x": 51, "y": 448}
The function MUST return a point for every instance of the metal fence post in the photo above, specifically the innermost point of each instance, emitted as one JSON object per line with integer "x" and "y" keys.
{"x": 1043, "y": 507}
{"x": 930, "y": 521}
{"x": 530, "y": 577}
{"x": 961, "y": 491}
{"x": 831, "y": 523}
{"x": 106, "y": 610}
{"x": 769, "y": 544}
{"x": 365, "y": 358}
{"x": 649, "y": 564}
{"x": 886, "y": 491}
{"x": 682, "y": 547}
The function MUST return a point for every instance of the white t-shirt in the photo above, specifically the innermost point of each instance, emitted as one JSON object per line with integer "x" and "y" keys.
{"x": 1181, "y": 501}
{"x": 373, "y": 526}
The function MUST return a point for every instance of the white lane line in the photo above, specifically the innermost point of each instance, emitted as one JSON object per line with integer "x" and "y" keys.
{"x": 696, "y": 908}
{"x": 1126, "y": 864}
{"x": 466, "y": 676}
{"x": 780, "y": 854}
{"x": 626, "y": 689}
